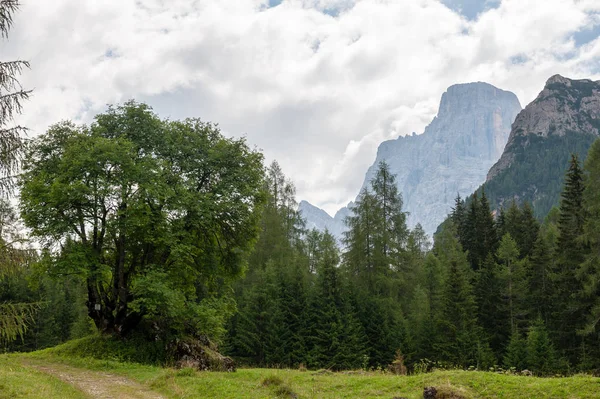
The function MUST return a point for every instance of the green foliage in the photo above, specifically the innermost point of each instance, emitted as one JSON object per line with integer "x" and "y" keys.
{"x": 136, "y": 349}
{"x": 536, "y": 172}
{"x": 461, "y": 338}
{"x": 541, "y": 356}
{"x": 377, "y": 236}
{"x": 247, "y": 383}
{"x": 492, "y": 314}
{"x": 568, "y": 307}
{"x": 475, "y": 228}
{"x": 589, "y": 272}
{"x": 157, "y": 216}
{"x": 14, "y": 318}
{"x": 511, "y": 276}
{"x": 12, "y": 97}
{"x": 516, "y": 353}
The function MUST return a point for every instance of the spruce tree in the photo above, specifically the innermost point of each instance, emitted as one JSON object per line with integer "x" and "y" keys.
{"x": 589, "y": 272}
{"x": 540, "y": 277}
{"x": 459, "y": 218}
{"x": 491, "y": 312}
{"x": 472, "y": 243}
{"x": 529, "y": 228}
{"x": 512, "y": 279}
{"x": 434, "y": 276}
{"x": 486, "y": 229}
{"x": 541, "y": 355}
{"x": 516, "y": 352}
{"x": 568, "y": 311}
{"x": 460, "y": 334}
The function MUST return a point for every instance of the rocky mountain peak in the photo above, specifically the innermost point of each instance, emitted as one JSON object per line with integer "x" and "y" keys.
{"x": 465, "y": 97}
{"x": 565, "y": 106}
{"x": 452, "y": 155}
{"x": 558, "y": 79}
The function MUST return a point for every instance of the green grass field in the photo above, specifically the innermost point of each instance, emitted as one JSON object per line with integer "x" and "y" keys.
{"x": 20, "y": 377}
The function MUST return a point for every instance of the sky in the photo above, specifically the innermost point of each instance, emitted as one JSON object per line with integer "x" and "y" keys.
{"x": 315, "y": 84}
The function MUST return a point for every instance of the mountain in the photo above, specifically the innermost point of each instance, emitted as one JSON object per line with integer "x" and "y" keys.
{"x": 451, "y": 156}
{"x": 563, "y": 119}
{"x": 316, "y": 218}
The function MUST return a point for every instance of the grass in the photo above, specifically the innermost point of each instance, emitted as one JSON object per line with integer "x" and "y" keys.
{"x": 18, "y": 381}
{"x": 277, "y": 384}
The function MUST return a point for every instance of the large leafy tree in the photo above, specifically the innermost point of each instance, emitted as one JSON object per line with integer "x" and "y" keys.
{"x": 158, "y": 216}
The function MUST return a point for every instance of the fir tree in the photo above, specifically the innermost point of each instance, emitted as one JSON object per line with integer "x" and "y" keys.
{"x": 511, "y": 278}
{"x": 516, "y": 352}
{"x": 541, "y": 356}
{"x": 568, "y": 312}
{"x": 486, "y": 229}
{"x": 459, "y": 218}
{"x": 540, "y": 282}
{"x": 458, "y": 321}
{"x": 491, "y": 312}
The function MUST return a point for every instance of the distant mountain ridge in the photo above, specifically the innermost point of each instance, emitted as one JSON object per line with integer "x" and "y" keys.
{"x": 563, "y": 119}
{"x": 316, "y": 218}
{"x": 451, "y": 156}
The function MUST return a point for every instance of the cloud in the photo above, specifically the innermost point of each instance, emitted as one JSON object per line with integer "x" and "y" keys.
{"x": 316, "y": 84}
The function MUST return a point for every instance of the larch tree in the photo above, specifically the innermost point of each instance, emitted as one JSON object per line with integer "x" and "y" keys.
{"x": 12, "y": 96}
{"x": 14, "y": 317}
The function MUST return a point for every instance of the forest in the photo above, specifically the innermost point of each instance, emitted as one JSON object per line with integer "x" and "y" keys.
{"x": 157, "y": 235}
{"x": 148, "y": 230}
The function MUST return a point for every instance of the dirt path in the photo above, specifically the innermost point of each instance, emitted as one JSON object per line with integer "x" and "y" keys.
{"x": 99, "y": 385}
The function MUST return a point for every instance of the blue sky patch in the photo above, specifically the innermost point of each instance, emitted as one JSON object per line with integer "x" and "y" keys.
{"x": 518, "y": 59}
{"x": 586, "y": 35}
{"x": 471, "y": 8}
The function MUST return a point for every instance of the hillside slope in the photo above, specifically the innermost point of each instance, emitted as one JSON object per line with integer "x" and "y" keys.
{"x": 563, "y": 119}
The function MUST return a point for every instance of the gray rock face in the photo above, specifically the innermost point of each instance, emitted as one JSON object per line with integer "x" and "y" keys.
{"x": 453, "y": 154}
{"x": 564, "y": 119}
{"x": 564, "y": 106}
{"x": 316, "y": 218}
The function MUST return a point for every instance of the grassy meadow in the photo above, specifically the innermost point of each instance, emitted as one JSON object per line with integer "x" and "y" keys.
{"x": 20, "y": 378}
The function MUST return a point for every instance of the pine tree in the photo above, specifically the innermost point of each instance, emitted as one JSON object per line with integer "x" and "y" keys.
{"x": 541, "y": 356}
{"x": 459, "y": 218}
{"x": 433, "y": 288}
{"x": 540, "y": 282}
{"x": 461, "y": 335}
{"x": 522, "y": 226}
{"x": 589, "y": 271}
{"x": 516, "y": 352}
{"x": 268, "y": 328}
{"x": 377, "y": 237}
{"x": 286, "y": 343}
{"x": 510, "y": 277}
{"x": 390, "y": 234}
{"x": 529, "y": 228}
{"x": 568, "y": 313}
{"x": 359, "y": 240}
{"x": 486, "y": 229}
{"x": 12, "y": 96}
{"x": 572, "y": 213}
{"x": 14, "y": 317}
{"x": 472, "y": 243}
{"x": 491, "y": 312}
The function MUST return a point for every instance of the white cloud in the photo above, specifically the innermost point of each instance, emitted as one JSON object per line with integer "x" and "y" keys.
{"x": 315, "y": 91}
